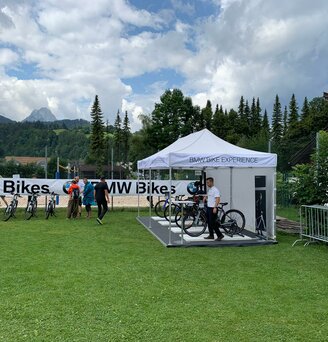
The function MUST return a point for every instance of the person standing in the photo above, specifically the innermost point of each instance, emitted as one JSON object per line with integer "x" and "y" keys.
{"x": 213, "y": 200}
{"x": 3, "y": 197}
{"x": 88, "y": 196}
{"x": 73, "y": 202}
{"x": 102, "y": 198}
{"x": 81, "y": 185}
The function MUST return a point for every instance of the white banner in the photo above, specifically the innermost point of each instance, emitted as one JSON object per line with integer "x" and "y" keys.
{"x": 117, "y": 187}
{"x": 224, "y": 160}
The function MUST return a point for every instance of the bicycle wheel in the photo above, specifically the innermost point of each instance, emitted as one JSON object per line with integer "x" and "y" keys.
{"x": 174, "y": 210}
{"x": 179, "y": 215}
{"x": 7, "y": 213}
{"x": 29, "y": 211}
{"x": 48, "y": 210}
{"x": 237, "y": 220}
{"x": 195, "y": 225}
{"x": 160, "y": 207}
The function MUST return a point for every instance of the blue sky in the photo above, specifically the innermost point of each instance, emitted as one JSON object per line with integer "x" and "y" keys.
{"x": 60, "y": 54}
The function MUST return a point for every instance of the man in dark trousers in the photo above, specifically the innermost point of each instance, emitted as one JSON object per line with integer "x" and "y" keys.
{"x": 213, "y": 200}
{"x": 102, "y": 198}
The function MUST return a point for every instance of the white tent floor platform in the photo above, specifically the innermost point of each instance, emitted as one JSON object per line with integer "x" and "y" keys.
{"x": 160, "y": 229}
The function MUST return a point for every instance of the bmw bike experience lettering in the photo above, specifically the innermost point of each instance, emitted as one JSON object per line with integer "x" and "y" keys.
{"x": 27, "y": 186}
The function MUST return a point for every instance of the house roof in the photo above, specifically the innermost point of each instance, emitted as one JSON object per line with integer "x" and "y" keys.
{"x": 26, "y": 160}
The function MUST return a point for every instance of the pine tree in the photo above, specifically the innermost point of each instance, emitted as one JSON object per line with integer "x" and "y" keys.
{"x": 276, "y": 122}
{"x": 293, "y": 115}
{"x": 97, "y": 136}
{"x": 305, "y": 117}
{"x": 255, "y": 124}
{"x": 285, "y": 122}
{"x": 219, "y": 123}
{"x": 232, "y": 135}
{"x": 207, "y": 114}
{"x": 186, "y": 117}
{"x": 247, "y": 119}
{"x": 265, "y": 122}
{"x": 242, "y": 124}
{"x": 118, "y": 138}
{"x": 305, "y": 112}
{"x": 126, "y": 135}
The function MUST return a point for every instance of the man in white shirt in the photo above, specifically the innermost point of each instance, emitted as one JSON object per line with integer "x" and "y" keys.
{"x": 213, "y": 200}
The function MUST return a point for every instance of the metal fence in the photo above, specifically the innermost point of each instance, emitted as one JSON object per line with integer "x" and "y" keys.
{"x": 313, "y": 224}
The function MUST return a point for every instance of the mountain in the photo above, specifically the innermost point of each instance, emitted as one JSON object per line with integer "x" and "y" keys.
{"x": 3, "y": 119}
{"x": 43, "y": 114}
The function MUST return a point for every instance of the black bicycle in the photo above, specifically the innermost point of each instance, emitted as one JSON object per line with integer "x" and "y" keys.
{"x": 195, "y": 220}
{"x": 32, "y": 206}
{"x": 51, "y": 207}
{"x": 11, "y": 209}
{"x": 231, "y": 221}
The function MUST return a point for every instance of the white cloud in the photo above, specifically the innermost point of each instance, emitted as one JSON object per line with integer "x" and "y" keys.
{"x": 183, "y": 6}
{"x": 256, "y": 48}
{"x": 134, "y": 111}
{"x": 8, "y": 57}
{"x": 80, "y": 49}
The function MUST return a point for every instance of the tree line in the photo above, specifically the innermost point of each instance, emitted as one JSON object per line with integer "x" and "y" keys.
{"x": 291, "y": 128}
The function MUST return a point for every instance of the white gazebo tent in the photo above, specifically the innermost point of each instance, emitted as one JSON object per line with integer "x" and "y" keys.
{"x": 233, "y": 168}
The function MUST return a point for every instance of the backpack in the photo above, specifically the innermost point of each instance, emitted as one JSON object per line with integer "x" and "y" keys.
{"x": 75, "y": 193}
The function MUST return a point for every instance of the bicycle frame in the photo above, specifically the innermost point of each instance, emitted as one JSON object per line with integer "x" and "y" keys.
{"x": 11, "y": 209}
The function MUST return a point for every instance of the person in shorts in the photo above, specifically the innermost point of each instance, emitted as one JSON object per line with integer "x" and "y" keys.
{"x": 88, "y": 196}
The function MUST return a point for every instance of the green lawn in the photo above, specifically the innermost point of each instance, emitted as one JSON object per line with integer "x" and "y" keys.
{"x": 291, "y": 213}
{"x": 77, "y": 281}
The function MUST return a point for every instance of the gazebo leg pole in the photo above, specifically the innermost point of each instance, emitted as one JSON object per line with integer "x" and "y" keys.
{"x": 170, "y": 208}
{"x": 274, "y": 199}
{"x": 150, "y": 196}
{"x": 138, "y": 194}
{"x": 230, "y": 202}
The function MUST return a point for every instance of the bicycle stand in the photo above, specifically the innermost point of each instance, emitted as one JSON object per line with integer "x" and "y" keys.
{"x": 260, "y": 227}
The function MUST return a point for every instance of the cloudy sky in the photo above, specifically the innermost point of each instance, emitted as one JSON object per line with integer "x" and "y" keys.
{"x": 61, "y": 53}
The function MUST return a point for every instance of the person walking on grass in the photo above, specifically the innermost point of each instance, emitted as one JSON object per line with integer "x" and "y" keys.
{"x": 102, "y": 198}
{"x": 88, "y": 196}
{"x": 213, "y": 200}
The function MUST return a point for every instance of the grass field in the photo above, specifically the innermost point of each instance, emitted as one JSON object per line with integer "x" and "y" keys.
{"x": 65, "y": 280}
{"x": 291, "y": 213}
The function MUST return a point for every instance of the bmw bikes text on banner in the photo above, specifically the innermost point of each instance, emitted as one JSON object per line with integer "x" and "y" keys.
{"x": 27, "y": 186}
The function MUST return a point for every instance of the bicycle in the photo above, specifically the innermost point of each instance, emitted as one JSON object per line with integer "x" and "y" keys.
{"x": 175, "y": 208}
{"x": 162, "y": 206}
{"x": 31, "y": 206}
{"x": 232, "y": 221}
{"x": 195, "y": 220}
{"x": 11, "y": 209}
{"x": 50, "y": 210}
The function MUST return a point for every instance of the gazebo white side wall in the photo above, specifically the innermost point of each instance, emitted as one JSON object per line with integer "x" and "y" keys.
{"x": 237, "y": 186}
